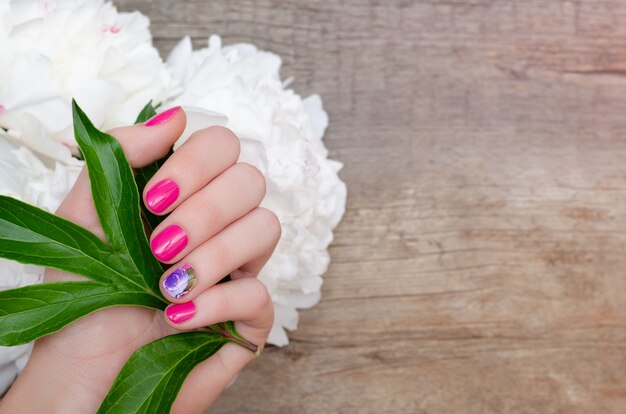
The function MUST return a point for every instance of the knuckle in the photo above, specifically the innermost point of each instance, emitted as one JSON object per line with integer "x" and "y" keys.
{"x": 186, "y": 162}
{"x": 223, "y": 255}
{"x": 214, "y": 212}
{"x": 192, "y": 166}
{"x": 271, "y": 223}
{"x": 227, "y": 140}
{"x": 260, "y": 295}
{"x": 252, "y": 176}
{"x": 222, "y": 300}
{"x": 218, "y": 139}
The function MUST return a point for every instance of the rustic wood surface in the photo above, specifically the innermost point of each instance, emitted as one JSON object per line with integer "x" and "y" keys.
{"x": 480, "y": 265}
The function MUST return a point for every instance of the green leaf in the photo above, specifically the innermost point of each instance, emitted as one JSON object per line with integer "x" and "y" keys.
{"x": 31, "y": 235}
{"x": 146, "y": 113}
{"x": 32, "y": 311}
{"x": 116, "y": 197}
{"x": 152, "y": 377}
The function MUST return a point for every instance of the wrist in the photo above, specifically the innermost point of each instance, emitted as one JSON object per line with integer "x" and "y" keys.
{"x": 51, "y": 384}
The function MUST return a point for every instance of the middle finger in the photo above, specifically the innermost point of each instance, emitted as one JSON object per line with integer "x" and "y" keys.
{"x": 228, "y": 197}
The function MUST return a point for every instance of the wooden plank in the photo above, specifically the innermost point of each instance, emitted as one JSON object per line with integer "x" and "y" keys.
{"x": 480, "y": 265}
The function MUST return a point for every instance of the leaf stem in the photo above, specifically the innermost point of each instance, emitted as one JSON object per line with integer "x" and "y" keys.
{"x": 239, "y": 340}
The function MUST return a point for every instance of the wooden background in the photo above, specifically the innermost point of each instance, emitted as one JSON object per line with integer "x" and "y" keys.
{"x": 480, "y": 265}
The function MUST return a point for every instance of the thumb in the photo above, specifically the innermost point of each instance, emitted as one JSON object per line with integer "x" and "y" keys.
{"x": 142, "y": 144}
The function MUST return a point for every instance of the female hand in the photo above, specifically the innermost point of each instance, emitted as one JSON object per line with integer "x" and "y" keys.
{"x": 214, "y": 228}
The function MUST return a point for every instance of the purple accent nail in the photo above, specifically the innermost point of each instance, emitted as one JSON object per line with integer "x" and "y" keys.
{"x": 163, "y": 117}
{"x": 180, "y": 281}
{"x": 162, "y": 195}
{"x": 167, "y": 244}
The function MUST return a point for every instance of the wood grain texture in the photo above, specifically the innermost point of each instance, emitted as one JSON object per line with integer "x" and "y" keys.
{"x": 480, "y": 265}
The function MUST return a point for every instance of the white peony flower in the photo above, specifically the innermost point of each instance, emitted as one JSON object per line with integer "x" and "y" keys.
{"x": 282, "y": 136}
{"x": 53, "y": 51}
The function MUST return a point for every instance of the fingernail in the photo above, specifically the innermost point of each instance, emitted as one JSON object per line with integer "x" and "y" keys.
{"x": 167, "y": 244}
{"x": 162, "y": 195}
{"x": 180, "y": 312}
{"x": 163, "y": 117}
{"x": 180, "y": 281}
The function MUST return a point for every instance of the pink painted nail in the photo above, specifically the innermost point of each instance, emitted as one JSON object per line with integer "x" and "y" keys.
{"x": 162, "y": 195}
{"x": 167, "y": 244}
{"x": 163, "y": 117}
{"x": 180, "y": 312}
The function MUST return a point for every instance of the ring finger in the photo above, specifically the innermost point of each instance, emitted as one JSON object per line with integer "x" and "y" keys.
{"x": 250, "y": 240}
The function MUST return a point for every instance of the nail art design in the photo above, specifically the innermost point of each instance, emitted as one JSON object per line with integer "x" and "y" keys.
{"x": 163, "y": 117}
{"x": 180, "y": 281}
{"x": 167, "y": 244}
{"x": 162, "y": 195}
{"x": 180, "y": 312}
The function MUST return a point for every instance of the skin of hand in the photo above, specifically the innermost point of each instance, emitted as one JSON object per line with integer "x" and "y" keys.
{"x": 215, "y": 227}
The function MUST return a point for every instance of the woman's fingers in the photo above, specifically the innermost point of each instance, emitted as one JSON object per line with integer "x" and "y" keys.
{"x": 245, "y": 244}
{"x": 205, "y": 155}
{"x": 150, "y": 141}
{"x": 228, "y": 197}
{"x": 253, "y": 268}
{"x": 142, "y": 144}
{"x": 246, "y": 300}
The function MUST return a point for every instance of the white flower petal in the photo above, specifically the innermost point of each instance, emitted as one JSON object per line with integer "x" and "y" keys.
{"x": 317, "y": 116}
{"x": 199, "y": 118}
{"x": 53, "y": 51}
{"x": 179, "y": 57}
